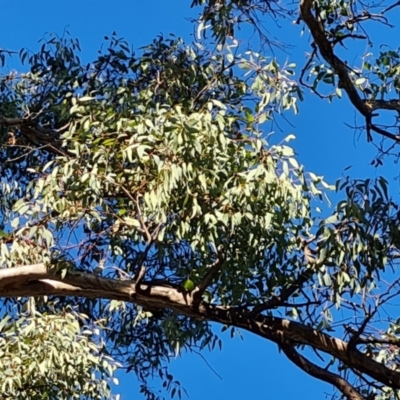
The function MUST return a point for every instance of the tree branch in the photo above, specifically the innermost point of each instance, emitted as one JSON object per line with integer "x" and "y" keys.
{"x": 279, "y": 329}
{"x": 212, "y": 272}
{"x": 326, "y": 49}
{"x": 36, "y": 134}
{"x": 39, "y": 279}
{"x": 310, "y": 258}
{"x": 280, "y": 300}
{"x": 317, "y": 372}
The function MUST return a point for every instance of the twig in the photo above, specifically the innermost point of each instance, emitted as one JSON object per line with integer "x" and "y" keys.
{"x": 280, "y": 300}
{"x": 139, "y": 274}
{"x": 208, "y": 364}
{"x": 142, "y": 224}
{"x": 390, "y": 7}
{"x": 357, "y": 333}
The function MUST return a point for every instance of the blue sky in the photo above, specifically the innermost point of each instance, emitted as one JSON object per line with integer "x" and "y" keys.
{"x": 251, "y": 368}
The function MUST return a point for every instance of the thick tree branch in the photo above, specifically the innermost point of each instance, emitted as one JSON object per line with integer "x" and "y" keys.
{"x": 38, "y": 279}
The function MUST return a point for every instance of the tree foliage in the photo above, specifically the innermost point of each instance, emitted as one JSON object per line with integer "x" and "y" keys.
{"x": 142, "y": 199}
{"x": 40, "y": 350}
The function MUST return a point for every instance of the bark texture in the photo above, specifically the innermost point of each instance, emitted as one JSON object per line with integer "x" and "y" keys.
{"x": 38, "y": 279}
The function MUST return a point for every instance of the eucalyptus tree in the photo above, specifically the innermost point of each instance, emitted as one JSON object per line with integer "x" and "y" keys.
{"x": 143, "y": 201}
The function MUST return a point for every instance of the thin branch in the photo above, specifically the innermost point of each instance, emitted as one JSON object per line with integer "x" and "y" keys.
{"x": 390, "y": 7}
{"x": 280, "y": 300}
{"x": 358, "y": 332}
{"x": 372, "y": 340}
{"x": 340, "y": 39}
{"x": 384, "y": 133}
{"x": 139, "y": 275}
{"x": 140, "y": 218}
{"x": 207, "y": 363}
{"x": 286, "y": 293}
{"x": 211, "y": 274}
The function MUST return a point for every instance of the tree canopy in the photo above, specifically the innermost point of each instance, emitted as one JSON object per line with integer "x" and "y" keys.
{"x": 144, "y": 198}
